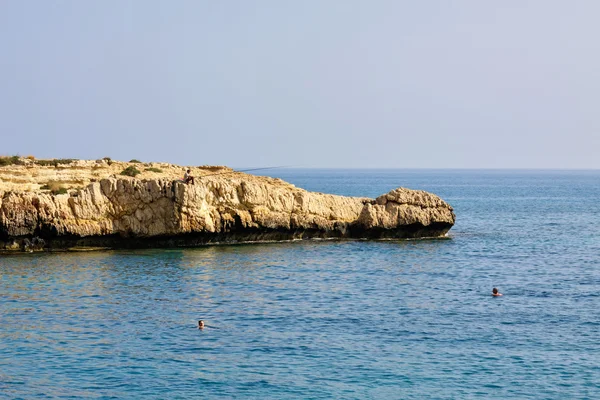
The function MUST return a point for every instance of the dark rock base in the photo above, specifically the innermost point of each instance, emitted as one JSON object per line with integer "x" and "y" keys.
{"x": 75, "y": 243}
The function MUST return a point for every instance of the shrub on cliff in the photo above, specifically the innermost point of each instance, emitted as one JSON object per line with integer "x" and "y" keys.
{"x": 135, "y": 161}
{"x": 130, "y": 171}
{"x": 14, "y": 160}
{"x": 54, "y": 162}
{"x": 152, "y": 169}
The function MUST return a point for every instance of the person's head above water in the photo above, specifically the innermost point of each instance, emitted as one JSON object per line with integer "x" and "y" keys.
{"x": 200, "y": 324}
{"x": 495, "y": 292}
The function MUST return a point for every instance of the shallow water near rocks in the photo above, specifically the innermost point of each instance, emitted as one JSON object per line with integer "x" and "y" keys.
{"x": 329, "y": 319}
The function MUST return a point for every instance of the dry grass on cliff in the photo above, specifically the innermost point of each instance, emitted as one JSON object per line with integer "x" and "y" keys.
{"x": 55, "y": 187}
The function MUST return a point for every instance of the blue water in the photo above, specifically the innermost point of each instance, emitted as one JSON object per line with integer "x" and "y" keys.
{"x": 351, "y": 319}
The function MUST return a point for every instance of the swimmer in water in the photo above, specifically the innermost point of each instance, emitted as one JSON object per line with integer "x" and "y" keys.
{"x": 496, "y": 293}
{"x": 200, "y": 324}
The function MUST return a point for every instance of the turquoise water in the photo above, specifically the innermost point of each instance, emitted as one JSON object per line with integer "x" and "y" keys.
{"x": 352, "y": 319}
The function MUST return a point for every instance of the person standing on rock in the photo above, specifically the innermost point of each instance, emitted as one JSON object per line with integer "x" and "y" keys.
{"x": 187, "y": 178}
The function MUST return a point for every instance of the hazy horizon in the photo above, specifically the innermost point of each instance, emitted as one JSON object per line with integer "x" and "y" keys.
{"x": 338, "y": 84}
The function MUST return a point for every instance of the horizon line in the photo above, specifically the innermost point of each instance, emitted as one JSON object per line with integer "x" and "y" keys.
{"x": 440, "y": 168}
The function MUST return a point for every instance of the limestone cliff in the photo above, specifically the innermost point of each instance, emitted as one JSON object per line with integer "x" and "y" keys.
{"x": 100, "y": 208}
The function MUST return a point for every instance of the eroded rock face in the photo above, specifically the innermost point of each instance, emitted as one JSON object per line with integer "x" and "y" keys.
{"x": 402, "y": 207}
{"x": 129, "y": 212}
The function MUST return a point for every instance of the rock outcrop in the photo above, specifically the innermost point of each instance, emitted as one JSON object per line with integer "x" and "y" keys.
{"x": 224, "y": 207}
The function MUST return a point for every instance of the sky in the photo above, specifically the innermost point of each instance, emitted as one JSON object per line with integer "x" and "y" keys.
{"x": 311, "y": 84}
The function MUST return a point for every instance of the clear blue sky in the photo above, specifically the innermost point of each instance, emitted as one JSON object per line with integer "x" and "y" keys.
{"x": 315, "y": 83}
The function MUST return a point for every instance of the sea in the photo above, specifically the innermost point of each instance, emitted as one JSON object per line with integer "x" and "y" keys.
{"x": 409, "y": 319}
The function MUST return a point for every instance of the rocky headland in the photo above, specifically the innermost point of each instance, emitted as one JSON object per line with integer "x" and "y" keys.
{"x": 83, "y": 204}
